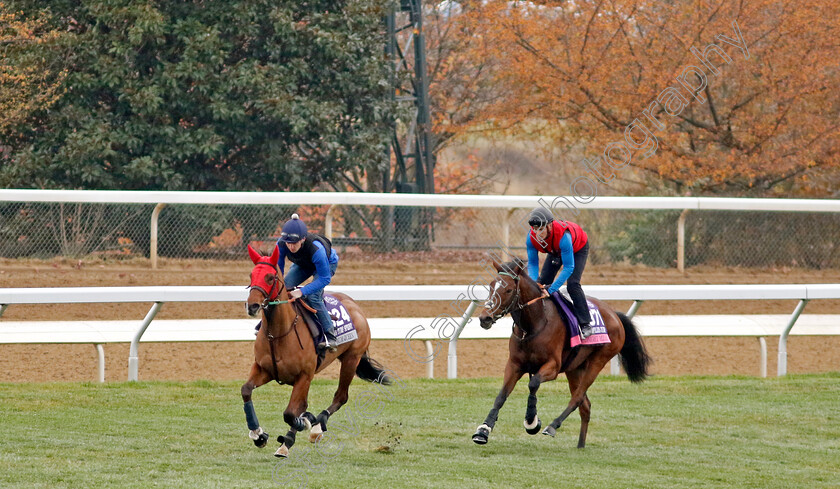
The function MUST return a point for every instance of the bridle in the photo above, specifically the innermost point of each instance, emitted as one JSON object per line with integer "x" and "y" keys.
{"x": 516, "y": 304}
{"x": 279, "y": 285}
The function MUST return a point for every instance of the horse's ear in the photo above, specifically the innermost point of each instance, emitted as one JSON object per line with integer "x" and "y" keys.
{"x": 497, "y": 266}
{"x": 255, "y": 257}
{"x": 520, "y": 265}
{"x": 275, "y": 255}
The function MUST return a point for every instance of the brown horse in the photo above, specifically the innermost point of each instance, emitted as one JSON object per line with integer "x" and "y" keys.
{"x": 284, "y": 351}
{"x": 540, "y": 347}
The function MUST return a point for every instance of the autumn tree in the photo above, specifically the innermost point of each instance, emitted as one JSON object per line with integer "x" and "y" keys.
{"x": 694, "y": 96}
{"x": 31, "y": 73}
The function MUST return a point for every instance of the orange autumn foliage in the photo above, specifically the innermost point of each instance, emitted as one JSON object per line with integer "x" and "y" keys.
{"x": 578, "y": 74}
{"x": 28, "y": 81}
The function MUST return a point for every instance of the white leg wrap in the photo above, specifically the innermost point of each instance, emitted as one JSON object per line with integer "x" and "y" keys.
{"x": 532, "y": 425}
{"x": 255, "y": 434}
{"x": 489, "y": 429}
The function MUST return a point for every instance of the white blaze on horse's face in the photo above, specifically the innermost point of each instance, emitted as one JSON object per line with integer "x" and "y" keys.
{"x": 493, "y": 300}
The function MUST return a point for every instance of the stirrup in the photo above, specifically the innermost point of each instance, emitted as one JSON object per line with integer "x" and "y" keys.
{"x": 326, "y": 344}
{"x": 585, "y": 331}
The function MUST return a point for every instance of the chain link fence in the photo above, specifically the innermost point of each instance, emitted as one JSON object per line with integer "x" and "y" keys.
{"x": 221, "y": 232}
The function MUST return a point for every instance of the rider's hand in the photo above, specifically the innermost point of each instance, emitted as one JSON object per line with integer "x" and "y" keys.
{"x": 295, "y": 294}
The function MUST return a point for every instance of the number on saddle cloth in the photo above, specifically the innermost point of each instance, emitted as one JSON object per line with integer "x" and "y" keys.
{"x": 599, "y": 334}
{"x": 345, "y": 330}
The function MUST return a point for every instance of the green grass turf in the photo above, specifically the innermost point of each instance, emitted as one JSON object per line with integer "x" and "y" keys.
{"x": 669, "y": 432}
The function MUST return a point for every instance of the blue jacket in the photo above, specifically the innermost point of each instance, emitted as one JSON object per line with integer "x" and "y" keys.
{"x": 322, "y": 274}
{"x": 566, "y": 255}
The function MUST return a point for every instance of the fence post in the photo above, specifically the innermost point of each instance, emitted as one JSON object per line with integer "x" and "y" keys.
{"x": 328, "y": 222}
{"x": 782, "y": 367}
{"x": 452, "y": 366}
{"x": 133, "y": 360}
{"x": 100, "y": 357}
{"x": 681, "y": 241}
{"x": 153, "y": 239}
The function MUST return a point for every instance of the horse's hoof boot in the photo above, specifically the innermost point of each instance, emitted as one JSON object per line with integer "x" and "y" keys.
{"x": 481, "y": 435}
{"x": 533, "y": 430}
{"x": 261, "y": 440}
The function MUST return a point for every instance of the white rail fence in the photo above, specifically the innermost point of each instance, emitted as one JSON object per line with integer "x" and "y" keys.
{"x": 444, "y": 327}
{"x": 510, "y": 202}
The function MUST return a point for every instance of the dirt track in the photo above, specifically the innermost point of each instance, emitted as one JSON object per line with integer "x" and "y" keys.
{"x": 188, "y": 361}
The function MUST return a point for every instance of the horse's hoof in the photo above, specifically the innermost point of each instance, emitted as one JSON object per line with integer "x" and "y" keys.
{"x": 550, "y": 431}
{"x": 481, "y": 435}
{"x": 282, "y": 452}
{"x": 261, "y": 440}
{"x": 316, "y": 433}
{"x": 533, "y": 428}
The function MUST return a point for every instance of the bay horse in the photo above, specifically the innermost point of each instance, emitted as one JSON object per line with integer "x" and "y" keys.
{"x": 284, "y": 351}
{"x": 540, "y": 347}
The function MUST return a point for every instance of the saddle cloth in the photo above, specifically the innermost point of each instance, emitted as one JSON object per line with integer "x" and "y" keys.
{"x": 345, "y": 330}
{"x": 565, "y": 306}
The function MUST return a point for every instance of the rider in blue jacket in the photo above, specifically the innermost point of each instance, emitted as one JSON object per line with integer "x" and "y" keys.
{"x": 311, "y": 256}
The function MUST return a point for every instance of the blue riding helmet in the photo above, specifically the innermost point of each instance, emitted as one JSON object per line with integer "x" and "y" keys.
{"x": 294, "y": 230}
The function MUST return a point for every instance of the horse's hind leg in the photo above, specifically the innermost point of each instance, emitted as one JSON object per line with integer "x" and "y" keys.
{"x": 257, "y": 377}
{"x": 512, "y": 375}
{"x": 586, "y": 375}
{"x": 345, "y": 377}
{"x": 585, "y": 407}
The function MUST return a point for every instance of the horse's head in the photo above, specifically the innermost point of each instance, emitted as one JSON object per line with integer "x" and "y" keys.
{"x": 504, "y": 293}
{"x": 266, "y": 280}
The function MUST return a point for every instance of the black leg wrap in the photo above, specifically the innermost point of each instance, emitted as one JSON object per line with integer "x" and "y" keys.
{"x": 323, "y": 416}
{"x": 288, "y": 440}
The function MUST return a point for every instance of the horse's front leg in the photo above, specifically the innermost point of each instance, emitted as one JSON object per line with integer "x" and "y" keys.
{"x": 547, "y": 373}
{"x": 348, "y": 371}
{"x": 257, "y": 378}
{"x": 293, "y": 415}
{"x": 512, "y": 376}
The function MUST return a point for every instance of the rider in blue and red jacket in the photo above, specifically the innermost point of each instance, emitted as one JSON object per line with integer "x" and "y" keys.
{"x": 567, "y": 246}
{"x": 312, "y": 256}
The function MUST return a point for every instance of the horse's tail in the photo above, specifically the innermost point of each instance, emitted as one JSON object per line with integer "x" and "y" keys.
{"x": 372, "y": 371}
{"x": 634, "y": 357}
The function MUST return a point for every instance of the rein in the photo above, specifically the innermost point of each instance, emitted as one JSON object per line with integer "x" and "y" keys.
{"x": 516, "y": 306}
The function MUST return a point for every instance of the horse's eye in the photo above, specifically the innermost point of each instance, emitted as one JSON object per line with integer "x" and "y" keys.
{"x": 509, "y": 290}
{"x": 269, "y": 279}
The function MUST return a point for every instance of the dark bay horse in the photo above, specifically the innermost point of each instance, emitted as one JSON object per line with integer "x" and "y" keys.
{"x": 284, "y": 351}
{"x": 539, "y": 346}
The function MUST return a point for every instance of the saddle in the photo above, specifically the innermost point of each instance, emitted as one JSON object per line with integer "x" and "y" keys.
{"x": 309, "y": 318}
{"x": 565, "y": 306}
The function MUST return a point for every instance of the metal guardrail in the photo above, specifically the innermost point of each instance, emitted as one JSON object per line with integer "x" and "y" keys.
{"x": 456, "y": 294}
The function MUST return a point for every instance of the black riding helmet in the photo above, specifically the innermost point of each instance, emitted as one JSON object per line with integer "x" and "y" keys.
{"x": 540, "y": 217}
